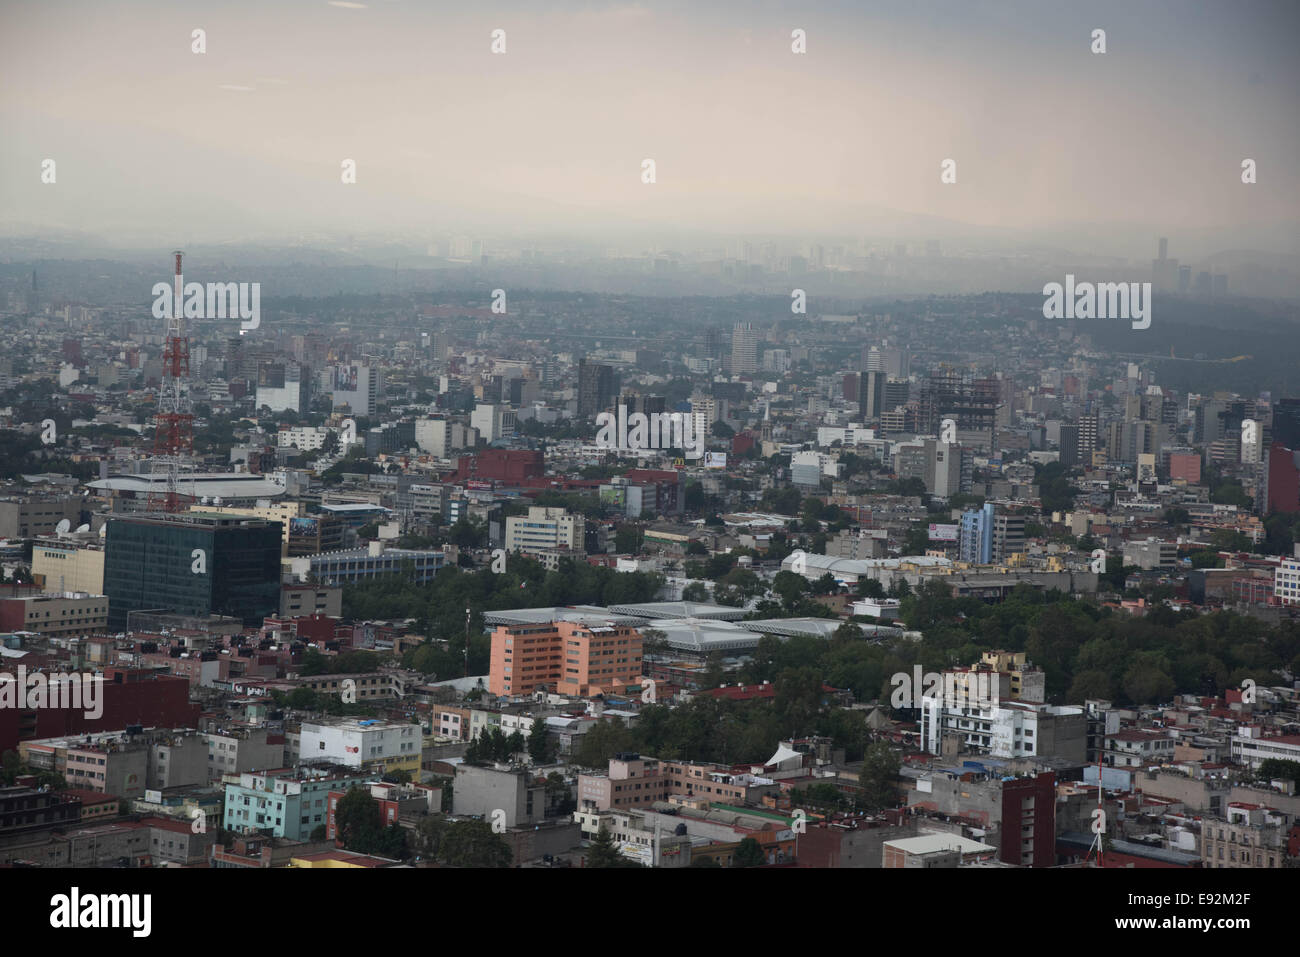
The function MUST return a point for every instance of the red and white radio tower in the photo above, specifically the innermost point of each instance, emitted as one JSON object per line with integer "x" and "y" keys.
{"x": 173, "y": 437}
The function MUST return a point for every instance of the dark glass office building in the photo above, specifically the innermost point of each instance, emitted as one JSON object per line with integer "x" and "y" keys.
{"x": 152, "y": 563}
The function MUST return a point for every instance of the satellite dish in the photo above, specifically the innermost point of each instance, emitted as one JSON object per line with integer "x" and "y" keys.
{"x": 62, "y": 527}
{"x": 83, "y": 528}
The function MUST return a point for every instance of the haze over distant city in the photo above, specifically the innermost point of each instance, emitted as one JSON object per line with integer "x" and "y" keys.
{"x": 1055, "y": 145}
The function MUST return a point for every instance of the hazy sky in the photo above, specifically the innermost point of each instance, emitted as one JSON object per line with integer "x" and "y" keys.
{"x": 248, "y": 138}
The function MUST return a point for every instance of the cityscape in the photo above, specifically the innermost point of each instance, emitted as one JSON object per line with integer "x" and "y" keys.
{"x": 598, "y": 473}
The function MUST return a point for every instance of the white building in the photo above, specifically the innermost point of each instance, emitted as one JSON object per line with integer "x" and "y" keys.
{"x": 282, "y": 387}
{"x": 1250, "y": 747}
{"x": 362, "y": 743}
{"x": 433, "y": 436}
{"x": 359, "y": 387}
{"x": 1286, "y": 581}
{"x": 305, "y": 438}
{"x": 544, "y": 529}
{"x": 806, "y": 469}
{"x": 492, "y": 421}
{"x": 1006, "y": 729}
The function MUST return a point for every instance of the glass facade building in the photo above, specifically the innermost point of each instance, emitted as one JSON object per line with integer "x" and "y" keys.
{"x": 155, "y": 563}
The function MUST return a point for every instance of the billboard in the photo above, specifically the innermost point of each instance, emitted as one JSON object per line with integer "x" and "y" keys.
{"x": 345, "y": 378}
{"x": 303, "y": 526}
{"x": 944, "y": 533}
{"x": 613, "y": 495}
{"x": 715, "y": 460}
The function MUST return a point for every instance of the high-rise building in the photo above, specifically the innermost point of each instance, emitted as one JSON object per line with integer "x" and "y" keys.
{"x": 871, "y": 396}
{"x": 493, "y": 421}
{"x": 596, "y": 388}
{"x": 744, "y": 349}
{"x": 359, "y": 387}
{"x": 897, "y": 392}
{"x": 1008, "y": 536}
{"x": 1088, "y": 428}
{"x": 199, "y": 564}
{"x": 975, "y": 542}
{"x": 283, "y": 387}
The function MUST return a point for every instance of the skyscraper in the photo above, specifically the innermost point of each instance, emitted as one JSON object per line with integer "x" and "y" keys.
{"x": 744, "y": 349}
{"x": 596, "y": 389}
{"x": 871, "y": 395}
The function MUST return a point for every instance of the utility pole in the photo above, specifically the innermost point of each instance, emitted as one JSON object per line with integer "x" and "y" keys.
{"x": 467, "y": 616}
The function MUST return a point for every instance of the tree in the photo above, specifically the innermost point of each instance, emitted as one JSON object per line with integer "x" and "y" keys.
{"x": 318, "y": 833}
{"x": 917, "y": 539}
{"x": 359, "y": 826}
{"x": 603, "y": 853}
{"x": 627, "y": 540}
{"x": 790, "y": 586}
{"x": 474, "y": 844}
{"x": 695, "y": 591}
{"x": 878, "y": 776}
{"x": 539, "y": 745}
{"x": 516, "y": 744}
{"x": 749, "y": 854}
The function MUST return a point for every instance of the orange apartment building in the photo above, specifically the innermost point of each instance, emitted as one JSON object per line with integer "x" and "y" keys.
{"x": 567, "y": 657}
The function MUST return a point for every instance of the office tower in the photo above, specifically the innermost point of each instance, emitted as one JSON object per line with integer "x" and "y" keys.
{"x": 1069, "y": 445}
{"x": 283, "y": 387}
{"x": 202, "y": 564}
{"x": 713, "y": 345}
{"x": 744, "y": 349}
{"x": 897, "y": 392}
{"x": 871, "y": 396}
{"x": 1209, "y": 420}
{"x": 596, "y": 388}
{"x": 493, "y": 421}
{"x": 873, "y": 360}
{"x": 1286, "y": 422}
{"x": 359, "y": 387}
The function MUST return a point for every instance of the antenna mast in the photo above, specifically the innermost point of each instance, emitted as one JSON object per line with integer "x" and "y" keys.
{"x": 173, "y": 442}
